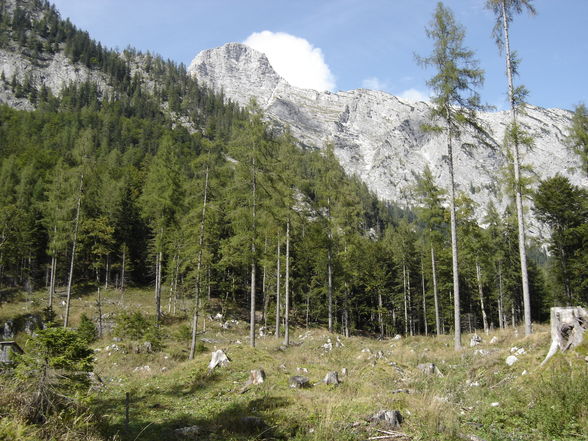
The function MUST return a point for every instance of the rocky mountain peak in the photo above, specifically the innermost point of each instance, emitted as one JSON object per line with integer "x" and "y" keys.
{"x": 379, "y": 137}
{"x": 233, "y": 65}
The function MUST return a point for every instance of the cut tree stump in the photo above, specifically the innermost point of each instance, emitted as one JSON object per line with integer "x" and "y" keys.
{"x": 388, "y": 418}
{"x": 256, "y": 376}
{"x": 331, "y": 378}
{"x": 219, "y": 358}
{"x": 568, "y": 325}
{"x": 299, "y": 382}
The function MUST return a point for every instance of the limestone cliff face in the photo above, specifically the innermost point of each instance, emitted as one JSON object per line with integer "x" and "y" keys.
{"x": 378, "y": 136}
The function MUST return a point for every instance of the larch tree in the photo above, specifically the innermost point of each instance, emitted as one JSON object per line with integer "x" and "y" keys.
{"x": 505, "y": 10}
{"x": 432, "y": 213}
{"x": 161, "y": 200}
{"x": 84, "y": 155}
{"x": 250, "y": 148}
{"x": 454, "y": 103}
{"x": 578, "y": 135}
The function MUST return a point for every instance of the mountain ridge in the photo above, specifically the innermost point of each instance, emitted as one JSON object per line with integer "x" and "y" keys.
{"x": 378, "y": 136}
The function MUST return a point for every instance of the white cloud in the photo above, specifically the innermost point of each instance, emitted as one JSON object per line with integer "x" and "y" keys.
{"x": 374, "y": 83}
{"x": 294, "y": 59}
{"x": 414, "y": 95}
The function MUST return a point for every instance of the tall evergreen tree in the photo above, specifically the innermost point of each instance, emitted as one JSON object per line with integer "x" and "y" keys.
{"x": 454, "y": 102}
{"x": 161, "y": 200}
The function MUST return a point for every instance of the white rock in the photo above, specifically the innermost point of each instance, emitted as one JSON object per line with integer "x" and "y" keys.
{"x": 511, "y": 359}
{"x": 494, "y": 340}
{"x": 495, "y": 404}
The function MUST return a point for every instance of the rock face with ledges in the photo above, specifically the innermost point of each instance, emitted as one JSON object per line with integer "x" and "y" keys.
{"x": 379, "y": 137}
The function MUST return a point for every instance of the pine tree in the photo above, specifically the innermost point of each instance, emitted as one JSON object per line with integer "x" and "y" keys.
{"x": 454, "y": 102}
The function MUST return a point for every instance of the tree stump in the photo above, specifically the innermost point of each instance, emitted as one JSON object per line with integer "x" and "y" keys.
{"x": 568, "y": 325}
{"x": 429, "y": 369}
{"x": 299, "y": 382}
{"x": 219, "y": 358}
{"x": 256, "y": 376}
{"x": 388, "y": 418}
{"x": 331, "y": 378}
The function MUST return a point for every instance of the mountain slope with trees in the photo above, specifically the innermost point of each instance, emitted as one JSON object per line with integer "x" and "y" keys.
{"x": 131, "y": 176}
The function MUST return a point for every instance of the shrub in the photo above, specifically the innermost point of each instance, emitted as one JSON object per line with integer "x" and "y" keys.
{"x": 53, "y": 371}
{"x": 87, "y": 329}
{"x": 135, "y": 326}
{"x": 132, "y": 326}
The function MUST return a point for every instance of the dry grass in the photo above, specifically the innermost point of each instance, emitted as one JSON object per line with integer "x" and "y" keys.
{"x": 170, "y": 392}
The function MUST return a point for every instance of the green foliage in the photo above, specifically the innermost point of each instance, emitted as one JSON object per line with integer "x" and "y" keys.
{"x": 87, "y": 329}
{"x": 563, "y": 207}
{"x": 155, "y": 336}
{"x": 132, "y": 325}
{"x": 578, "y": 135}
{"x": 53, "y": 371}
{"x": 57, "y": 349}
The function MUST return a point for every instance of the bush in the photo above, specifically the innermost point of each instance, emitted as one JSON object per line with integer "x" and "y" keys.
{"x": 154, "y": 335}
{"x": 132, "y": 326}
{"x": 135, "y": 326}
{"x": 87, "y": 329}
{"x": 53, "y": 371}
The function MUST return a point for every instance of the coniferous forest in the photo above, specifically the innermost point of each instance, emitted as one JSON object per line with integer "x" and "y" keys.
{"x": 169, "y": 184}
{"x": 148, "y": 180}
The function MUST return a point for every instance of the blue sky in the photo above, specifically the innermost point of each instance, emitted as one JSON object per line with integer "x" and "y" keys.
{"x": 360, "y": 42}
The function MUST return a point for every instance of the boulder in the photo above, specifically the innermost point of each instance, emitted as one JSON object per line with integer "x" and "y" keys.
{"x": 511, "y": 359}
{"x": 251, "y": 424}
{"x": 331, "y": 378}
{"x": 389, "y": 418}
{"x": 517, "y": 351}
{"x": 219, "y": 358}
{"x": 9, "y": 330}
{"x": 299, "y": 382}
{"x": 189, "y": 432}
